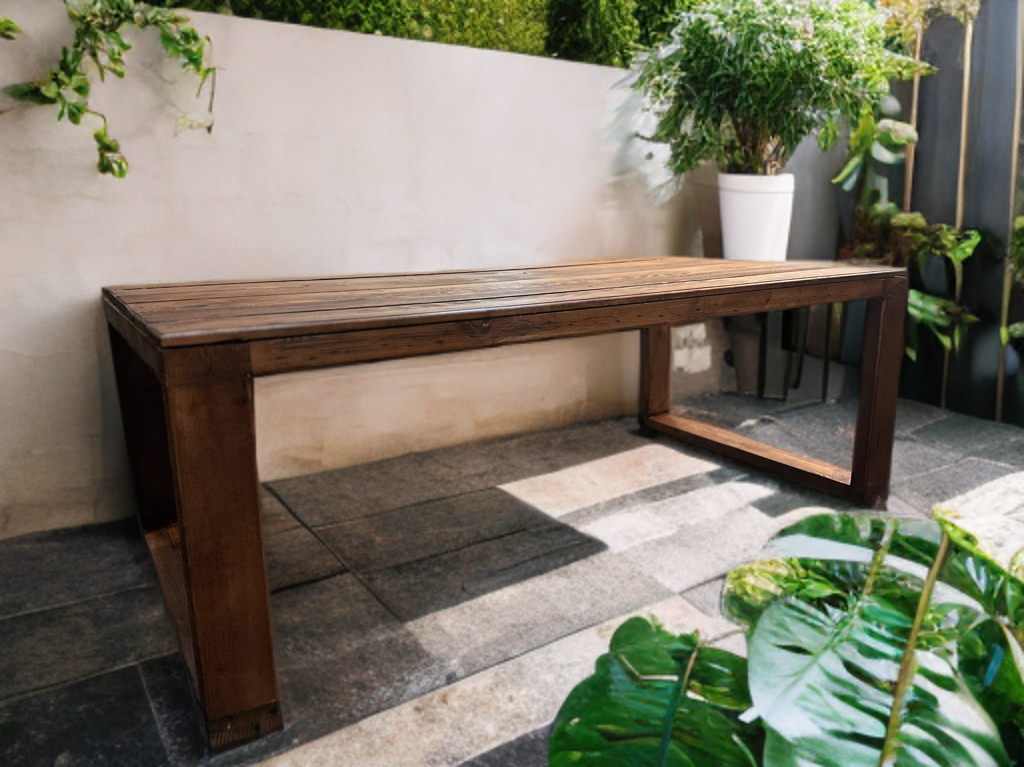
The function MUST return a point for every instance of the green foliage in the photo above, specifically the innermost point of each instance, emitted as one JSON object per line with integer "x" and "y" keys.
{"x": 871, "y": 641}
{"x": 658, "y": 699}
{"x": 8, "y": 29}
{"x": 945, "y": 318}
{"x": 507, "y": 25}
{"x": 874, "y": 145}
{"x": 656, "y": 18}
{"x": 742, "y": 82}
{"x": 100, "y": 47}
{"x": 1017, "y": 249}
{"x": 595, "y": 31}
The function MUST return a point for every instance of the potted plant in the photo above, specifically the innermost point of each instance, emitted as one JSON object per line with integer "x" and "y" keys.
{"x": 743, "y": 82}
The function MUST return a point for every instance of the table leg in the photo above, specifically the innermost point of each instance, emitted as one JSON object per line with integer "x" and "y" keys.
{"x": 879, "y": 387}
{"x": 655, "y": 371}
{"x": 193, "y": 452}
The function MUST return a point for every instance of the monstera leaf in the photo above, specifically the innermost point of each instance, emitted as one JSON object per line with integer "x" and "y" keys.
{"x": 658, "y": 700}
{"x": 883, "y": 642}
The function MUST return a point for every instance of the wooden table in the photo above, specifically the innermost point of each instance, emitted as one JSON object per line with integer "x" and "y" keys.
{"x": 185, "y": 357}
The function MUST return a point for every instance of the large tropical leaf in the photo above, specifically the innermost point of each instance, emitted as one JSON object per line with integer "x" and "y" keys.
{"x": 658, "y": 700}
{"x": 880, "y": 641}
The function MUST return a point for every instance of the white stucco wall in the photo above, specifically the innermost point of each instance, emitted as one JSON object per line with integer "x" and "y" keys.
{"x": 333, "y": 153}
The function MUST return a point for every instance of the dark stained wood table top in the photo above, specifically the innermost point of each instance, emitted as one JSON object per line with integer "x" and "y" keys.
{"x": 215, "y": 312}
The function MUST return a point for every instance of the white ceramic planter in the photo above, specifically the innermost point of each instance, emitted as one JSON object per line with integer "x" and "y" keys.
{"x": 756, "y": 212}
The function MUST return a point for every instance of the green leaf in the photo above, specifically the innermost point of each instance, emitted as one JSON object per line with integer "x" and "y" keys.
{"x": 30, "y": 93}
{"x": 824, "y": 671}
{"x": 8, "y": 29}
{"x": 652, "y": 701}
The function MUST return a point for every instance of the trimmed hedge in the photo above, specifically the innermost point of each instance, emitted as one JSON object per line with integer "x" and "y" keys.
{"x": 595, "y": 31}
{"x": 505, "y": 25}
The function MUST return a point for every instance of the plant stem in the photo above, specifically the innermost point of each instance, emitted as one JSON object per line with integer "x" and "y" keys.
{"x": 965, "y": 101}
{"x": 915, "y": 99}
{"x": 670, "y": 717}
{"x": 908, "y": 666}
{"x": 1003, "y": 341}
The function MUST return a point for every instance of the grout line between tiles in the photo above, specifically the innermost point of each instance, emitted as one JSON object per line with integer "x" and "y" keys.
{"x": 63, "y": 605}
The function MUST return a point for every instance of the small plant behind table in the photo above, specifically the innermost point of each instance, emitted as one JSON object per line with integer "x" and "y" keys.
{"x": 870, "y": 641}
{"x": 742, "y": 82}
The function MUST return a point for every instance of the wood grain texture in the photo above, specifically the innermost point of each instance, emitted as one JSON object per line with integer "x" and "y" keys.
{"x": 809, "y": 471}
{"x": 220, "y": 312}
{"x": 655, "y": 371}
{"x": 880, "y": 379}
{"x": 209, "y": 405}
{"x": 169, "y": 562}
{"x": 289, "y": 353}
{"x": 145, "y": 430}
{"x": 235, "y": 730}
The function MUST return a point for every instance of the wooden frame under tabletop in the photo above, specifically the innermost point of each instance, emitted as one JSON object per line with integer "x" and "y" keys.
{"x": 185, "y": 356}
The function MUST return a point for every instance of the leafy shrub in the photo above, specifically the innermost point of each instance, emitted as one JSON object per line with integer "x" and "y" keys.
{"x": 744, "y": 81}
{"x": 506, "y": 25}
{"x": 594, "y": 31}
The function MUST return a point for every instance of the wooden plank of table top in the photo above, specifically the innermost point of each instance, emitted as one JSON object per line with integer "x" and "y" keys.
{"x": 203, "y": 330}
{"x": 682, "y": 269}
{"x": 198, "y": 324}
{"x": 169, "y": 292}
{"x": 413, "y": 293}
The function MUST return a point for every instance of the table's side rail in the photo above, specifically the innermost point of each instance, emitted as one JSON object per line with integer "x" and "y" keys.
{"x": 279, "y": 355}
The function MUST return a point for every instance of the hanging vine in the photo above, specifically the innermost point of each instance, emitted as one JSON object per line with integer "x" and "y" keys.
{"x": 99, "y": 47}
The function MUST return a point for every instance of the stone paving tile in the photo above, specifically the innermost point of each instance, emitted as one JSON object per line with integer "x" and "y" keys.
{"x": 650, "y": 522}
{"x": 994, "y": 512}
{"x": 341, "y": 657}
{"x": 790, "y": 497}
{"x": 336, "y": 496}
{"x": 561, "y": 492}
{"x": 707, "y": 597}
{"x": 415, "y": 589}
{"x": 649, "y": 495}
{"x": 428, "y": 529}
{"x": 167, "y": 685}
{"x": 496, "y": 462}
{"x": 511, "y": 621}
{"x": 358, "y": 491}
{"x": 911, "y": 415}
{"x": 80, "y": 640}
{"x": 104, "y": 720}
{"x": 529, "y": 750}
{"x": 966, "y": 434}
{"x": 1008, "y": 451}
{"x": 481, "y": 712}
{"x": 296, "y": 556}
{"x": 58, "y": 567}
{"x": 697, "y": 553}
{"x": 926, "y": 490}
{"x": 276, "y": 518}
{"x": 911, "y": 457}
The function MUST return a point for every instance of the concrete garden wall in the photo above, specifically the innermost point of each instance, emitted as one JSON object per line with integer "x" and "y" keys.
{"x": 333, "y": 153}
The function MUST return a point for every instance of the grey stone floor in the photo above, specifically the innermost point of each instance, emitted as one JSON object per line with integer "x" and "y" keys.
{"x": 434, "y": 609}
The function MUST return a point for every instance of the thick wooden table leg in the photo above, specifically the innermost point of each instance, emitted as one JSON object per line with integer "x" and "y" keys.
{"x": 655, "y": 371}
{"x": 193, "y": 452}
{"x": 880, "y": 380}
